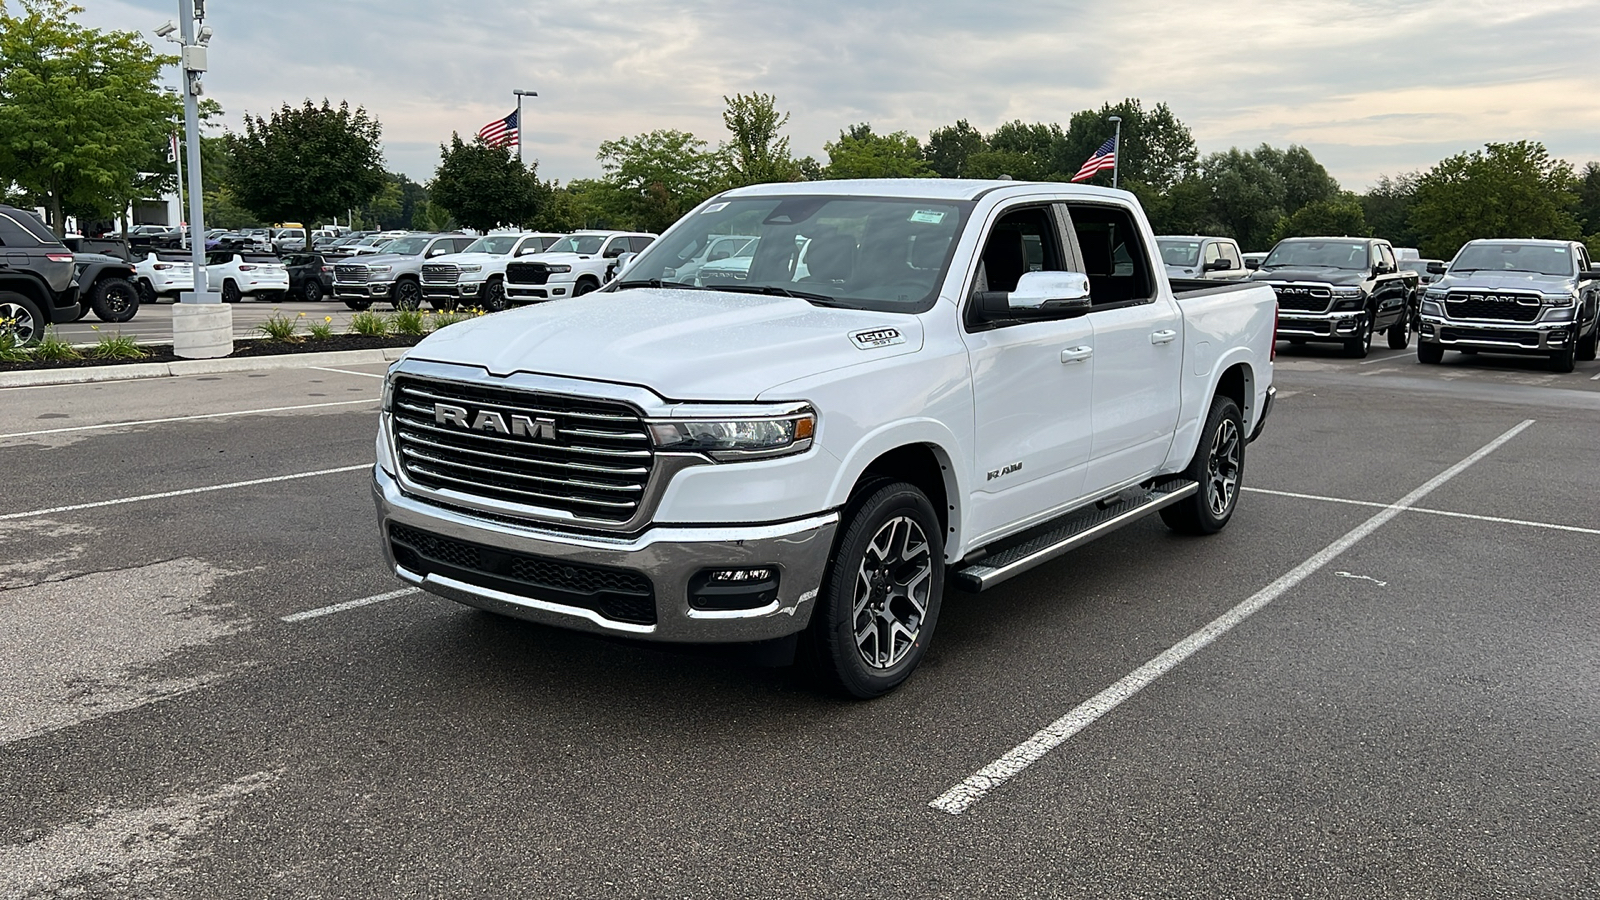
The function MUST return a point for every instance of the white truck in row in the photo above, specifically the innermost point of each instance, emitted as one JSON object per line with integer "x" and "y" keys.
{"x": 965, "y": 380}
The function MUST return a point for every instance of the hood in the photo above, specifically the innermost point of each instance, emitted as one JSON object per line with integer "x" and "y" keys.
{"x": 467, "y": 259}
{"x": 1505, "y": 281}
{"x": 684, "y": 345}
{"x": 1319, "y": 274}
{"x": 381, "y": 259}
{"x": 560, "y": 259}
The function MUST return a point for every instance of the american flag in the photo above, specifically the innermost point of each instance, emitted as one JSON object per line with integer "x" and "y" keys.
{"x": 1104, "y": 158}
{"x": 501, "y": 132}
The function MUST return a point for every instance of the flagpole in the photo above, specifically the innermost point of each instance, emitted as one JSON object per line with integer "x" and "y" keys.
{"x": 1116, "y": 148}
{"x": 520, "y": 94}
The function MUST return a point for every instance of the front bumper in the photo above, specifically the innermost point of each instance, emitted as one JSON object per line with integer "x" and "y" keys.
{"x": 1332, "y": 326}
{"x": 668, "y": 556}
{"x": 461, "y": 290}
{"x": 369, "y": 289}
{"x": 1503, "y": 337}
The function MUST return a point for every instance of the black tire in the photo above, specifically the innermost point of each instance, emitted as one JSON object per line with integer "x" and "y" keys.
{"x": 1564, "y": 361}
{"x": 406, "y": 294}
{"x": 893, "y": 547}
{"x": 358, "y": 304}
{"x": 494, "y": 296}
{"x": 230, "y": 292}
{"x": 1587, "y": 346}
{"x": 1358, "y": 346}
{"x": 114, "y": 299}
{"x": 147, "y": 294}
{"x": 585, "y": 286}
{"x": 21, "y": 317}
{"x": 1429, "y": 353}
{"x": 312, "y": 291}
{"x": 1218, "y": 467}
{"x": 1400, "y": 334}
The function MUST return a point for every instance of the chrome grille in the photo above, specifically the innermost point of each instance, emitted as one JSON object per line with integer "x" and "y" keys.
{"x": 1303, "y": 297}
{"x": 1492, "y": 307}
{"x": 351, "y": 274}
{"x": 441, "y": 273}
{"x": 527, "y": 273}
{"x": 588, "y": 459}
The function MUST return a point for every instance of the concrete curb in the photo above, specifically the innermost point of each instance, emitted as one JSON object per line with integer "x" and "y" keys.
{"x": 131, "y": 371}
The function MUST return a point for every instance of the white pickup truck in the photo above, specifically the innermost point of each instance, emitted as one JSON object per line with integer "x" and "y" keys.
{"x": 966, "y": 380}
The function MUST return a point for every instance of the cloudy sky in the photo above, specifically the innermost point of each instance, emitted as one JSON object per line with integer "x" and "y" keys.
{"x": 1371, "y": 86}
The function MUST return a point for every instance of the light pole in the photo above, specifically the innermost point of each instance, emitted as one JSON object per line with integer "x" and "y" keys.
{"x": 1116, "y": 150}
{"x": 202, "y": 326}
{"x": 177, "y": 159}
{"x": 520, "y": 94}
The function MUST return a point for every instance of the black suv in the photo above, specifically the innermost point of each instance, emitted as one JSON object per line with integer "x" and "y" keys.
{"x": 310, "y": 276}
{"x": 36, "y": 276}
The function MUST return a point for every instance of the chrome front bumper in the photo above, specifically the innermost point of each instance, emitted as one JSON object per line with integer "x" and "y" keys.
{"x": 669, "y": 556}
{"x": 361, "y": 288}
{"x": 1333, "y": 326}
{"x": 1506, "y": 337}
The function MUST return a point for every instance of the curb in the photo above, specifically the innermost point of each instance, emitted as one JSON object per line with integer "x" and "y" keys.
{"x": 131, "y": 371}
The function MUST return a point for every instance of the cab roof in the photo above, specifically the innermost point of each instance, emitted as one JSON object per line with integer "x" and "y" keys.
{"x": 915, "y": 188}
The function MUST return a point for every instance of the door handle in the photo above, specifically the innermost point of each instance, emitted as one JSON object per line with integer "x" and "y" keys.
{"x": 1076, "y": 354}
{"x": 1164, "y": 336}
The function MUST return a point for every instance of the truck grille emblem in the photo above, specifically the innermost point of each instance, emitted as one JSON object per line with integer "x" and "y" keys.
{"x": 488, "y": 421}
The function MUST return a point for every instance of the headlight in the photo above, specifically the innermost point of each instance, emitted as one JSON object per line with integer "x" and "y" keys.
{"x": 1435, "y": 296}
{"x": 732, "y": 439}
{"x": 379, "y": 270}
{"x": 472, "y": 268}
{"x": 1346, "y": 299}
{"x": 1432, "y": 308}
{"x": 1561, "y": 299}
{"x": 558, "y": 268}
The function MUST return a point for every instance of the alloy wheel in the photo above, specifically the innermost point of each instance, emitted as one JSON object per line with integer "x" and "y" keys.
{"x": 17, "y": 319}
{"x": 893, "y": 584}
{"x": 1222, "y": 468}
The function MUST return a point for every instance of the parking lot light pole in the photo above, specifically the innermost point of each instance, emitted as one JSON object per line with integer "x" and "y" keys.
{"x": 1116, "y": 150}
{"x": 520, "y": 94}
{"x": 202, "y": 326}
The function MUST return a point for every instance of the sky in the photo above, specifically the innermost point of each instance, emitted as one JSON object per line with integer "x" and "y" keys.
{"x": 1372, "y": 87}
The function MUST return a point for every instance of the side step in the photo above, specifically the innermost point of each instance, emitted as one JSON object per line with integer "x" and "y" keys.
{"x": 1070, "y": 531}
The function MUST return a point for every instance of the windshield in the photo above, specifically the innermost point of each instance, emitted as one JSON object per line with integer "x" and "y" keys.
{"x": 410, "y": 246}
{"x": 1543, "y": 259}
{"x": 578, "y": 243}
{"x": 1318, "y": 255}
{"x": 1179, "y": 253}
{"x": 498, "y": 244}
{"x": 859, "y": 252}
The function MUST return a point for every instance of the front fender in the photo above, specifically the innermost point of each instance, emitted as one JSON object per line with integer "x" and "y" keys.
{"x": 930, "y": 433}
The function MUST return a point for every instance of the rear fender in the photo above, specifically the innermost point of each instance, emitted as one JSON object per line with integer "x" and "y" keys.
{"x": 1197, "y": 403}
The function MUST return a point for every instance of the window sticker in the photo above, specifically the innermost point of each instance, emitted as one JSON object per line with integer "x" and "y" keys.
{"x": 927, "y": 216}
{"x": 715, "y": 207}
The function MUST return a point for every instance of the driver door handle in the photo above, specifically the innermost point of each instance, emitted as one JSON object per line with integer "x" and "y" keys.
{"x": 1164, "y": 336}
{"x": 1076, "y": 354}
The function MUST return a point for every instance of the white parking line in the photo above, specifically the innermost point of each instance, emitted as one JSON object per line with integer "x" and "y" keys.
{"x": 1430, "y": 512}
{"x": 348, "y": 604}
{"x": 219, "y": 415}
{"x": 961, "y": 797}
{"x": 1595, "y": 378}
{"x": 345, "y": 372}
{"x": 182, "y": 493}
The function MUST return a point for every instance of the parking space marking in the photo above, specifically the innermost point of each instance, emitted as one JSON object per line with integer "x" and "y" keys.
{"x": 348, "y": 604}
{"x": 1595, "y": 378}
{"x": 345, "y": 372}
{"x": 961, "y": 797}
{"x": 180, "y": 493}
{"x": 218, "y": 415}
{"x": 1499, "y": 520}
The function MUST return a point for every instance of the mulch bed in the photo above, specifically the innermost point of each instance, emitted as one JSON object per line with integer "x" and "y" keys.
{"x": 241, "y": 348}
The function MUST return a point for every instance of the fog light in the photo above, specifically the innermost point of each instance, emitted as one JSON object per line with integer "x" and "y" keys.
{"x": 731, "y": 589}
{"x": 1557, "y": 338}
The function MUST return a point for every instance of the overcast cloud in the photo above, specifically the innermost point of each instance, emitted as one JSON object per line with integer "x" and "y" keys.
{"x": 1371, "y": 87}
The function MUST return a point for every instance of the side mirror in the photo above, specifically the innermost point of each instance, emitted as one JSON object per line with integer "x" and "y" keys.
{"x": 614, "y": 251}
{"x": 1039, "y": 295}
{"x": 1591, "y": 275}
{"x": 624, "y": 260}
{"x": 1221, "y": 264}
{"x": 1436, "y": 268}
{"x": 1382, "y": 269}
{"x": 1252, "y": 264}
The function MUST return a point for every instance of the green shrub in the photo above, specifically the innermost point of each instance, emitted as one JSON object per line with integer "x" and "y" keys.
{"x": 11, "y": 349}
{"x": 369, "y": 323}
{"x": 409, "y": 322}
{"x": 448, "y": 318}
{"x": 52, "y": 348}
{"x": 279, "y": 327}
{"x": 321, "y": 330}
{"x": 118, "y": 346}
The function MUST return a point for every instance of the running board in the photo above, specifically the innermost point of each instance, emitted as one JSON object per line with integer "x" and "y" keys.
{"x": 1071, "y": 531}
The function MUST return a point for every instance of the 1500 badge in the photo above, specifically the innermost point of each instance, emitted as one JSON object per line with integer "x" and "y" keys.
{"x": 877, "y": 337}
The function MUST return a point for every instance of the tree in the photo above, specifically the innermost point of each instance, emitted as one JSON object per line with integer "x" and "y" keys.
{"x": 1157, "y": 149}
{"x": 306, "y": 164}
{"x": 1387, "y": 208}
{"x": 1588, "y": 208}
{"x": 1504, "y": 190}
{"x": 655, "y": 178}
{"x": 1305, "y": 180}
{"x": 860, "y": 153}
{"x": 1324, "y": 218}
{"x": 756, "y": 154}
{"x": 1246, "y": 197}
{"x": 949, "y": 148}
{"x": 485, "y": 187}
{"x": 83, "y": 120}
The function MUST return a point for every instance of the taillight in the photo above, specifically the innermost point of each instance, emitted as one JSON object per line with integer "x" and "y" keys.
{"x": 59, "y": 257}
{"x": 1273, "y": 356}
{"x": 161, "y": 267}
{"x": 247, "y": 268}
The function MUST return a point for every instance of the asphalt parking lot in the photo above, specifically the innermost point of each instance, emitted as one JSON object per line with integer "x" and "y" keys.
{"x": 210, "y": 687}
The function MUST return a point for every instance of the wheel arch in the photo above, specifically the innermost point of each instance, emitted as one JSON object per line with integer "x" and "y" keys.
{"x": 1235, "y": 377}
{"x": 918, "y": 453}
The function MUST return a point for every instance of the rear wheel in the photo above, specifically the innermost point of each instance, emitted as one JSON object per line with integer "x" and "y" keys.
{"x": 114, "y": 299}
{"x": 20, "y": 317}
{"x": 147, "y": 294}
{"x": 1297, "y": 342}
{"x": 1400, "y": 334}
{"x": 447, "y": 304}
{"x": 358, "y": 304}
{"x": 230, "y": 292}
{"x": 312, "y": 291}
{"x": 1429, "y": 353}
{"x": 880, "y": 599}
{"x": 1218, "y": 467}
{"x": 1357, "y": 347}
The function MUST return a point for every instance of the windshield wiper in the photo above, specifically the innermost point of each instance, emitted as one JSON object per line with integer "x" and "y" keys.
{"x": 658, "y": 283}
{"x": 772, "y": 290}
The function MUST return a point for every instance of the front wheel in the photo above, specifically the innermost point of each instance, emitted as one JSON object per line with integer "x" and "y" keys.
{"x": 494, "y": 296}
{"x": 1218, "y": 467}
{"x": 1429, "y": 353}
{"x": 1564, "y": 361}
{"x": 880, "y": 599}
{"x": 1400, "y": 334}
{"x": 407, "y": 295}
{"x": 585, "y": 286}
{"x": 1357, "y": 347}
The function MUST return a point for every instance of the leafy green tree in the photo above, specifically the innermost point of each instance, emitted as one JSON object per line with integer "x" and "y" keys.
{"x": 1246, "y": 197}
{"x": 1305, "y": 180}
{"x": 1588, "y": 208}
{"x": 307, "y": 163}
{"x": 1504, "y": 190}
{"x": 83, "y": 119}
{"x": 1157, "y": 149}
{"x": 860, "y": 153}
{"x": 655, "y": 178}
{"x": 485, "y": 187}
{"x": 757, "y": 153}
{"x": 949, "y": 148}
{"x": 1342, "y": 215}
{"x": 1387, "y": 207}
{"x": 432, "y": 216}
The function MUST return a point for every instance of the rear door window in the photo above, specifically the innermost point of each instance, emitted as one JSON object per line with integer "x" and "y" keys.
{"x": 1113, "y": 254}
{"x": 639, "y": 243}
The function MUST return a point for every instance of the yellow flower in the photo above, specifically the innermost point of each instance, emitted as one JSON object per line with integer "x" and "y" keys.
{"x": 324, "y": 318}
{"x": 302, "y": 315}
